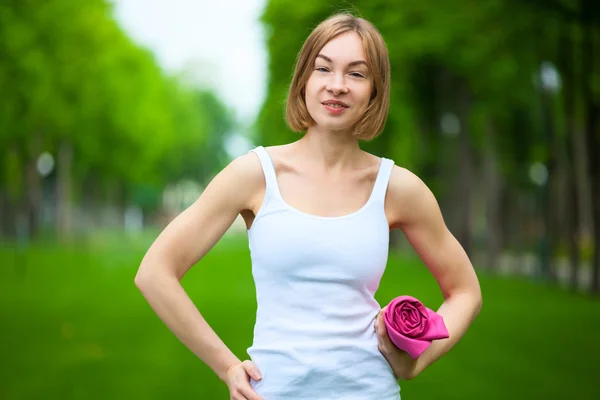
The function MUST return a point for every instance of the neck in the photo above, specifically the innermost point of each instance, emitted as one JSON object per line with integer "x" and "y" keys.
{"x": 333, "y": 149}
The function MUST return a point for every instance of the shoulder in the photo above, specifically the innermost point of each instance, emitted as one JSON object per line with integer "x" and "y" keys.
{"x": 404, "y": 182}
{"x": 245, "y": 168}
{"x": 240, "y": 180}
{"x": 408, "y": 198}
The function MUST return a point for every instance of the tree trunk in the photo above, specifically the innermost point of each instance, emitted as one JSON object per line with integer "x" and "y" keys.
{"x": 572, "y": 200}
{"x": 34, "y": 193}
{"x": 548, "y": 235}
{"x": 64, "y": 188}
{"x": 592, "y": 110}
{"x": 466, "y": 170}
{"x": 14, "y": 194}
{"x": 593, "y": 148}
{"x": 6, "y": 216}
{"x": 492, "y": 194}
{"x": 572, "y": 218}
{"x": 570, "y": 194}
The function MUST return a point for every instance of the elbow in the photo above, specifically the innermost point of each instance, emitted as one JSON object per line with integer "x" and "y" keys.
{"x": 475, "y": 298}
{"x": 478, "y": 306}
{"x": 139, "y": 280}
{"x": 470, "y": 299}
{"x": 145, "y": 277}
{"x": 477, "y": 301}
{"x": 153, "y": 274}
{"x": 142, "y": 279}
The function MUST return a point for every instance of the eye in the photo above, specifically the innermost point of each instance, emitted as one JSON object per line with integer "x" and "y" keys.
{"x": 321, "y": 69}
{"x": 357, "y": 74}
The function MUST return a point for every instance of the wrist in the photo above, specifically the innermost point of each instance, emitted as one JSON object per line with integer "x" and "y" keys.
{"x": 409, "y": 370}
{"x": 224, "y": 372}
{"x": 418, "y": 367}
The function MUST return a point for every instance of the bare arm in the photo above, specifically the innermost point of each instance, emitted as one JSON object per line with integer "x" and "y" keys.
{"x": 416, "y": 212}
{"x": 183, "y": 243}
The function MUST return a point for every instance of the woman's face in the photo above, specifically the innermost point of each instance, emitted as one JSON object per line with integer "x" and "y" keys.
{"x": 339, "y": 89}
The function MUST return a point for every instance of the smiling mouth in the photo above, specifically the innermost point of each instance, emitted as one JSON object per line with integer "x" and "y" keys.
{"x": 335, "y": 105}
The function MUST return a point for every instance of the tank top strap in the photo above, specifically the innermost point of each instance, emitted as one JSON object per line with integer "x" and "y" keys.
{"x": 382, "y": 180}
{"x": 268, "y": 170}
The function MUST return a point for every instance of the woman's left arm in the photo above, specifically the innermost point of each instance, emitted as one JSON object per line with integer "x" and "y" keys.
{"x": 414, "y": 209}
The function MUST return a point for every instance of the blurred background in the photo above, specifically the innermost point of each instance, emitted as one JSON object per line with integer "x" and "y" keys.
{"x": 114, "y": 115}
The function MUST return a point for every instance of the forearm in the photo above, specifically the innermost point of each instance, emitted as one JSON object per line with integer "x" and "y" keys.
{"x": 173, "y": 306}
{"x": 458, "y": 311}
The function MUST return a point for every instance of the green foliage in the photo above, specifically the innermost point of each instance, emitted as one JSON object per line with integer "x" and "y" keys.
{"x": 492, "y": 49}
{"x": 191, "y": 156}
{"x": 70, "y": 75}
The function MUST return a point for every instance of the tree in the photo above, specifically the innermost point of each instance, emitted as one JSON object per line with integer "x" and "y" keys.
{"x": 85, "y": 92}
{"x": 469, "y": 114}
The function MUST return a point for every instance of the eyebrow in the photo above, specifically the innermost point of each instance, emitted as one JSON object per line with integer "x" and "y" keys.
{"x": 353, "y": 63}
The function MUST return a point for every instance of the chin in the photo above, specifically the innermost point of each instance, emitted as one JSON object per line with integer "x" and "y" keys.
{"x": 333, "y": 124}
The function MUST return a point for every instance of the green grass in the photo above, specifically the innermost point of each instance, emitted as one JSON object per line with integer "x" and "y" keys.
{"x": 74, "y": 326}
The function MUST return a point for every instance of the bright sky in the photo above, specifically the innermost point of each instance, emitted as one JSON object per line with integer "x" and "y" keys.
{"x": 220, "y": 41}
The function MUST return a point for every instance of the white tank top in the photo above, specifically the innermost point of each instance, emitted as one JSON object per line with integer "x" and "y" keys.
{"x": 315, "y": 278}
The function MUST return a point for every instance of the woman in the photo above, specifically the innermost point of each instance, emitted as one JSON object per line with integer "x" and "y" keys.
{"x": 318, "y": 212}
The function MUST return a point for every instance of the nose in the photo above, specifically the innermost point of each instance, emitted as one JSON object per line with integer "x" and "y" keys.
{"x": 337, "y": 84}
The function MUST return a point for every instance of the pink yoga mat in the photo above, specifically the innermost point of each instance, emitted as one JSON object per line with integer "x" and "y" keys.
{"x": 411, "y": 326}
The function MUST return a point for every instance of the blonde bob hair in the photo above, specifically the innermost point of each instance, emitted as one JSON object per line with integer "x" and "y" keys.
{"x": 373, "y": 121}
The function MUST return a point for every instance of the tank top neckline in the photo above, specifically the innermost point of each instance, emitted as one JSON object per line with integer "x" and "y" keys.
{"x": 271, "y": 176}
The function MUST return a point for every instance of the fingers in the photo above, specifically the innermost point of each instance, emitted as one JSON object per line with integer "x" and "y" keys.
{"x": 382, "y": 326}
{"x": 383, "y": 339}
{"x": 240, "y": 383}
{"x": 245, "y": 392}
{"x": 249, "y": 394}
{"x": 252, "y": 370}
{"x": 379, "y": 322}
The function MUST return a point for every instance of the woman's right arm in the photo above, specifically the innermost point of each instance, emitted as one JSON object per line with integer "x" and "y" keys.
{"x": 182, "y": 244}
